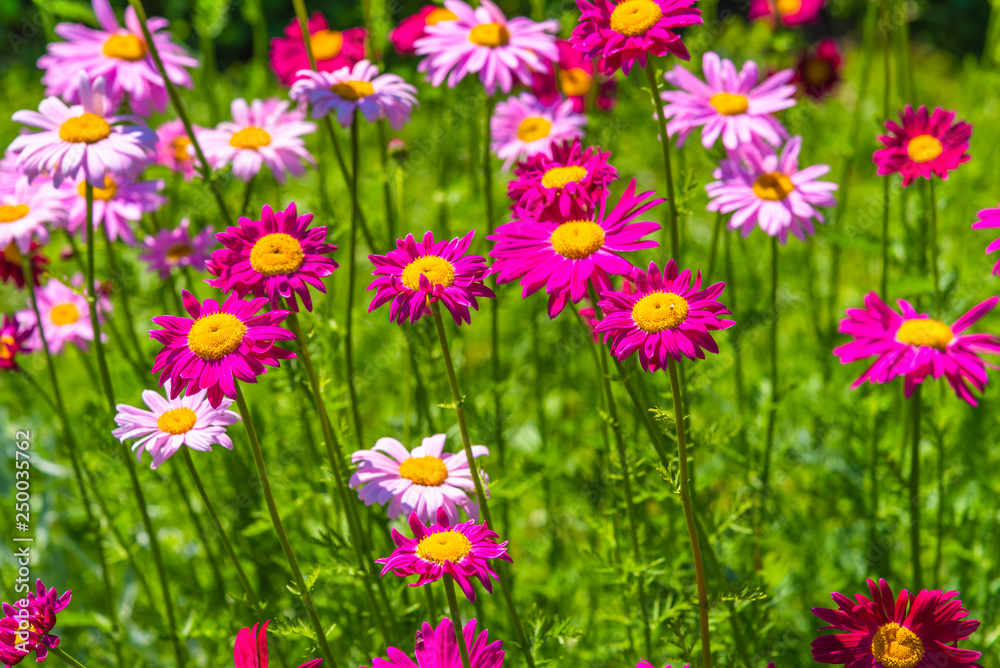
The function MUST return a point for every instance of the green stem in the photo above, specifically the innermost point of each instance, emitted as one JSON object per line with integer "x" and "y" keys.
{"x": 352, "y": 262}
{"x": 675, "y": 240}
{"x": 713, "y": 249}
{"x": 123, "y": 291}
{"x": 935, "y": 271}
{"x": 773, "y": 343}
{"x": 58, "y": 651}
{"x": 247, "y": 193}
{"x": 915, "y": 490}
{"x": 886, "y": 101}
{"x": 220, "y": 580}
{"x": 456, "y": 620}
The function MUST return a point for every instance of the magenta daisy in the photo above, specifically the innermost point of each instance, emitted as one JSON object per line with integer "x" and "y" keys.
{"x": 483, "y": 41}
{"x": 569, "y": 183}
{"x": 564, "y": 256}
{"x": 65, "y": 316}
{"x": 278, "y": 256}
{"x": 12, "y": 264}
{"x": 630, "y": 31}
{"x": 436, "y": 648}
{"x": 414, "y": 275}
{"x": 25, "y": 212}
{"x": 522, "y": 127}
{"x": 118, "y": 204}
{"x": 904, "y": 631}
{"x": 462, "y": 551}
{"x": 218, "y": 345}
{"x": 990, "y": 219}
{"x": 764, "y": 189}
{"x": 915, "y": 346}
{"x": 359, "y": 88}
{"x": 734, "y": 105}
{"x": 573, "y": 76}
{"x": 263, "y": 132}
{"x": 924, "y": 145}
{"x": 250, "y": 650}
{"x": 413, "y": 27}
{"x": 12, "y": 343}
{"x": 818, "y": 70}
{"x": 39, "y": 609}
{"x": 421, "y": 481}
{"x": 169, "y": 249}
{"x": 331, "y": 48}
{"x": 84, "y": 137}
{"x": 667, "y": 317}
{"x": 173, "y": 148}
{"x": 791, "y": 13}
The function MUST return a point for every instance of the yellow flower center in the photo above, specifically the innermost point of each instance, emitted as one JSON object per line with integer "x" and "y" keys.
{"x": 786, "y": 7}
{"x": 326, "y": 44}
{"x": 896, "y": 646}
{"x": 577, "y": 239}
{"x": 924, "y": 148}
{"x": 177, "y": 421}
{"x": 444, "y": 546}
{"x": 277, "y": 253}
{"x": 635, "y": 17}
{"x": 574, "y": 81}
{"x": 109, "y": 190}
{"x": 925, "y": 332}
{"x": 214, "y": 336}
{"x": 253, "y": 138}
{"x": 658, "y": 311}
{"x": 87, "y": 128}
{"x": 10, "y": 213}
{"x": 774, "y": 186}
{"x": 64, "y": 314}
{"x": 125, "y": 47}
{"x": 352, "y": 91}
{"x": 729, "y": 104}
{"x": 438, "y": 15}
{"x": 12, "y": 254}
{"x": 817, "y": 71}
{"x": 559, "y": 177}
{"x": 490, "y": 34}
{"x": 437, "y": 270}
{"x": 177, "y": 252}
{"x": 180, "y": 148}
{"x": 6, "y": 347}
{"x": 533, "y": 128}
{"x": 429, "y": 471}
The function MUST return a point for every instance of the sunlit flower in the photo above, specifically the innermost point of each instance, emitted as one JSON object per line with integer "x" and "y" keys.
{"x": 332, "y": 49}
{"x": 817, "y": 73}
{"x": 174, "y": 150}
{"x": 169, "y": 249}
{"x": 118, "y": 204}
{"x": 436, "y": 648}
{"x": 12, "y": 264}
{"x": 359, "y": 88}
{"x": 990, "y": 219}
{"x": 924, "y": 145}
{"x": 414, "y": 27}
{"x": 65, "y": 316}
{"x": 569, "y": 183}
{"x": 39, "y": 610}
{"x": 25, "y": 213}
{"x": 250, "y": 650}
{"x": 789, "y": 12}
{"x": 12, "y": 343}
{"x": 522, "y": 127}
{"x": 573, "y": 76}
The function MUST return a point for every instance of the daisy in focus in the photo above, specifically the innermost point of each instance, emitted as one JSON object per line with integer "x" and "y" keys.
{"x": 522, "y": 127}
{"x": 483, "y": 41}
{"x": 924, "y": 145}
{"x": 12, "y": 264}
{"x": 569, "y": 183}
{"x": 118, "y": 204}
{"x": 573, "y": 76}
{"x": 12, "y": 343}
{"x": 278, "y": 257}
{"x": 173, "y": 148}
{"x": 250, "y": 650}
{"x": 437, "y": 648}
{"x": 817, "y": 74}
{"x": 422, "y": 481}
{"x": 764, "y": 189}
{"x": 358, "y": 88}
{"x": 332, "y": 49}
{"x": 65, "y": 316}
{"x": 412, "y": 28}
{"x": 25, "y": 213}
{"x": 914, "y": 345}
{"x": 39, "y": 610}
{"x": 168, "y": 250}
{"x": 462, "y": 551}
{"x": 791, "y": 13}
{"x": 734, "y": 105}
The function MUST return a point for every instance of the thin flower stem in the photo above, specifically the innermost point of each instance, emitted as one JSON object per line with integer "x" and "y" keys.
{"x": 58, "y": 651}
{"x": 217, "y": 576}
{"x": 737, "y": 349}
{"x": 456, "y": 620}
{"x": 247, "y": 194}
{"x": 713, "y": 249}
{"x": 647, "y": 421}
{"x": 654, "y": 89}
{"x": 935, "y": 271}
{"x": 773, "y": 343}
{"x": 914, "y": 485}
{"x": 279, "y": 529}
{"x": 886, "y": 101}
{"x": 122, "y": 289}
{"x": 431, "y": 607}
{"x": 352, "y": 265}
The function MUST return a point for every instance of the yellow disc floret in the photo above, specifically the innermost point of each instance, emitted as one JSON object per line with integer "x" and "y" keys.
{"x": 774, "y": 186}
{"x": 106, "y": 193}
{"x": 437, "y": 270}
{"x": 64, "y": 314}
{"x": 577, "y": 239}
{"x": 729, "y": 104}
{"x": 635, "y": 17}
{"x": 214, "y": 336}
{"x": 439, "y": 14}
{"x": 658, "y": 311}
{"x": 178, "y": 252}
{"x": 925, "y": 332}
{"x": 352, "y": 91}
{"x": 125, "y": 47}
{"x": 574, "y": 81}
{"x": 177, "y": 421}
{"x": 559, "y": 177}
{"x": 490, "y": 34}
{"x": 428, "y": 471}
{"x": 444, "y": 546}
{"x": 87, "y": 128}
{"x": 10, "y": 213}
{"x": 788, "y": 7}
{"x": 924, "y": 148}
{"x": 326, "y": 44}
{"x": 895, "y": 646}
{"x": 250, "y": 138}
{"x": 533, "y": 128}
{"x": 277, "y": 253}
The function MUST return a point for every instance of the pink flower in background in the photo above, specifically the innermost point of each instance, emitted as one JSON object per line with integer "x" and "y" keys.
{"x": 12, "y": 343}
{"x": 65, "y": 316}
{"x": 569, "y": 183}
{"x": 436, "y": 648}
{"x": 924, "y": 145}
{"x": 358, "y": 88}
{"x": 39, "y": 610}
{"x": 817, "y": 73}
{"x": 574, "y": 78}
{"x": 332, "y": 49}
{"x": 522, "y": 127}
{"x": 791, "y": 13}
{"x": 117, "y": 205}
{"x": 25, "y": 213}
{"x": 173, "y": 148}
{"x": 990, "y": 219}
{"x": 169, "y": 249}
{"x": 12, "y": 264}
{"x": 412, "y": 28}
{"x": 250, "y": 650}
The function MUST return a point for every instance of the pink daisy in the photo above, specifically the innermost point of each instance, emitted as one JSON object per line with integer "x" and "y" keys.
{"x": 278, "y": 256}
{"x": 522, "y": 127}
{"x": 728, "y": 103}
{"x": 261, "y": 133}
{"x": 567, "y": 184}
{"x": 10, "y": 173}
{"x": 173, "y": 148}
{"x": 39, "y": 610}
{"x": 83, "y": 137}
{"x": 564, "y": 256}
{"x": 218, "y": 345}
{"x": 990, "y": 219}
{"x": 118, "y": 54}
{"x": 817, "y": 73}
{"x": 574, "y": 78}
{"x": 25, "y": 212}
{"x": 924, "y": 145}
{"x": 250, "y": 650}
{"x": 462, "y": 551}
{"x": 789, "y": 12}
{"x": 915, "y": 346}
{"x": 168, "y": 249}
{"x": 436, "y": 648}
{"x": 665, "y": 318}
{"x": 12, "y": 343}
{"x": 414, "y": 275}
{"x": 896, "y": 631}
{"x": 65, "y": 316}
{"x": 628, "y": 32}
{"x": 414, "y": 27}
{"x": 118, "y": 204}
{"x": 762, "y": 188}
{"x": 421, "y": 481}
{"x": 332, "y": 49}
{"x": 484, "y": 41}
{"x": 359, "y": 87}
{"x": 12, "y": 264}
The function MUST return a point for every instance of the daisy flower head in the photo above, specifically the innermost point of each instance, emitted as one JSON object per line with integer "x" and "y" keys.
{"x": 250, "y": 650}
{"x": 12, "y": 264}
{"x": 65, "y": 315}
{"x": 84, "y": 137}
{"x": 521, "y": 127}
{"x": 169, "y": 249}
{"x": 25, "y": 213}
{"x": 218, "y": 345}
{"x": 118, "y": 203}
{"x": 817, "y": 73}
{"x": 569, "y": 183}
{"x": 11, "y": 174}
{"x": 564, "y": 256}
{"x": 924, "y": 145}
{"x": 278, "y": 256}
{"x": 901, "y": 631}
{"x": 174, "y": 150}
{"x": 412, "y": 28}
{"x": 39, "y": 609}
{"x": 332, "y": 49}
{"x": 261, "y": 133}
{"x": 573, "y": 76}
{"x": 628, "y": 32}
{"x": 417, "y": 274}
{"x": 762, "y": 188}
{"x": 436, "y": 648}
{"x": 791, "y": 13}
{"x": 990, "y": 219}
{"x": 915, "y": 346}
{"x": 12, "y": 343}
{"x": 483, "y": 41}
{"x": 359, "y": 88}
{"x": 120, "y": 55}
{"x": 462, "y": 551}
{"x": 734, "y": 105}
{"x": 421, "y": 481}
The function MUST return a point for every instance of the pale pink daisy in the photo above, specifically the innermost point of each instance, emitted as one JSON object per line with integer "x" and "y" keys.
{"x": 25, "y": 212}
{"x": 65, "y": 316}
{"x": 169, "y": 249}
{"x": 173, "y": 148}
{"x": 522, "y": 127}
{"x": 117, "y": 205}
{"x": 359, "y": 88}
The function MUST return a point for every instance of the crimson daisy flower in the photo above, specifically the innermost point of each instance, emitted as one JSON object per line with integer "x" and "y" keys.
{"x": 462, "y": 551}
{"x": 416, "y": 274}
{"x": 13, "y": 337}
{"x": 564, "y": 256}
{"x": 896, "y": 632}
{"x": 924, "y": 145}
{"x": 818, "y": 72}
{"x": 436, "y": 648}
{"x": 12, "y": 267}
{"x": 39, "y": 610}
{"x": 217, "y": 345}
{"x": 278, "y": 256}
{"x": 565, "y": 186}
